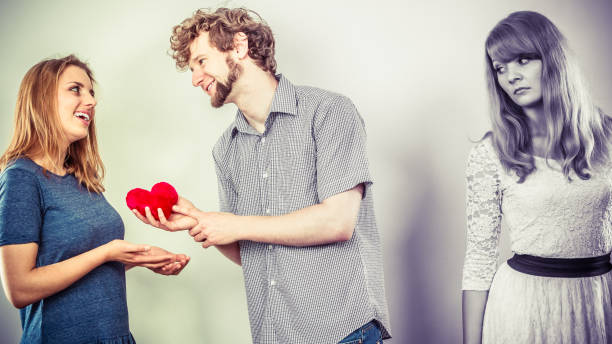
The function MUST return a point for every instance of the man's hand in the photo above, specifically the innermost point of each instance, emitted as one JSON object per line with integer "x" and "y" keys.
{"x": 212, "y": 228}
{"x": 175, "y": 222}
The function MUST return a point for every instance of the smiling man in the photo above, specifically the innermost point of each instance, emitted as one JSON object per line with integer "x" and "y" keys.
{"x": 294, "y": 186}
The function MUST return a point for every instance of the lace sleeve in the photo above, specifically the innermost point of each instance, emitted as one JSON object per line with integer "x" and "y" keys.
{"x": 483, "y": 218}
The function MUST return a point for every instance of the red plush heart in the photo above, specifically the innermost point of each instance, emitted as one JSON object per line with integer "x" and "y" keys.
{"x": 162, "y": 195}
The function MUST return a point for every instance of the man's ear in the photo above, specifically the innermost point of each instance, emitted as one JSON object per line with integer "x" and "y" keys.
{"x": 241, "y": 46}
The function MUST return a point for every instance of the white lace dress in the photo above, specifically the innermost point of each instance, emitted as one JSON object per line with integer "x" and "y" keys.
{"x": 547, "y": 216}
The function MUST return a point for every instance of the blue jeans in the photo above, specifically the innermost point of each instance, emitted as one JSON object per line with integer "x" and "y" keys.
{"x": 367, "y": 334}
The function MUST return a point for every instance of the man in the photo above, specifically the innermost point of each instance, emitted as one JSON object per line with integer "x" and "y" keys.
{"x": 294, "y": 187}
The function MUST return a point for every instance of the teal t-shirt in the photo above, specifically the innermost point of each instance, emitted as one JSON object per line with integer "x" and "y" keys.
{"x": 65, "y": 220}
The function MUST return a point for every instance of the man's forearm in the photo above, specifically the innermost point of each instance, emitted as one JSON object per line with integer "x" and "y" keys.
{"x": 306, "y": 227}
{"x": 330, "y": 221}
{"x": 334, "y": 220}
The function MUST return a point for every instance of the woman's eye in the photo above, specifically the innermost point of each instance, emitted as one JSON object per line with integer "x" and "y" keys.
{"x": 523, "y": 60}
{"x": 76, "y": 89}
{"x": 201, "y": 62}
{"x": 499, "y": 69}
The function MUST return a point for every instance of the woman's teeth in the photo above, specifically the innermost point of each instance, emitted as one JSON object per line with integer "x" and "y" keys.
{"x": 82, "y": 115}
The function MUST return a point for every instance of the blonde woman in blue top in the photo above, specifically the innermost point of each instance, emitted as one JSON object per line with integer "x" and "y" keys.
{"x": 62, "y": 256}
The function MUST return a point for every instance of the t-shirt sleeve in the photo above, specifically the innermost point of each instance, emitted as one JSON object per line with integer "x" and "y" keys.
{"x": 340, "y": 138}
{"x": 20, "y": 207}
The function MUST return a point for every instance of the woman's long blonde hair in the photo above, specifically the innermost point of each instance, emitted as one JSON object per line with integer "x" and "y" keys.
{"x": 38, "y": 130}
{"x": 576, "y": 129}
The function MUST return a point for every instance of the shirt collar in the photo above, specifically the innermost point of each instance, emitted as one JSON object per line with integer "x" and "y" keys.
{"x": 284, "y": 101}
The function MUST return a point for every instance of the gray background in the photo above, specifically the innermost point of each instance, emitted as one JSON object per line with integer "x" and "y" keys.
{"x": 415, "y": 71}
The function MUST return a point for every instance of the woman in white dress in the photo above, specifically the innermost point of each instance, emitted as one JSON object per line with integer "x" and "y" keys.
{"x": 545, "y": 169}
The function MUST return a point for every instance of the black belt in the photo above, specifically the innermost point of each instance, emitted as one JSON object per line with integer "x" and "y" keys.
{"x": 561, "y": 267}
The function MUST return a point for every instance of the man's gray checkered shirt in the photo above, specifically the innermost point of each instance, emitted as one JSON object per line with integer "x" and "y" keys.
{"x": 313, "y": 147}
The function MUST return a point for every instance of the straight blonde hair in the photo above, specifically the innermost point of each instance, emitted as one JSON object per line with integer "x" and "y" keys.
{"x": 37, "y": 127}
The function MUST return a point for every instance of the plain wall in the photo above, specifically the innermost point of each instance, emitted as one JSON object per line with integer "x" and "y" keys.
{"x": 415, "y": 71}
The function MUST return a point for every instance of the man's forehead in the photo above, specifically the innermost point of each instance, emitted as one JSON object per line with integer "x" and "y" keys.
{"x": 200, "y": 44}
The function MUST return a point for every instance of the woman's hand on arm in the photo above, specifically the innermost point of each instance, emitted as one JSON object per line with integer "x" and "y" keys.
{"x": 136, "y": 254}
{"x": 174, "y": 268}
{"x": 25, "y": 283}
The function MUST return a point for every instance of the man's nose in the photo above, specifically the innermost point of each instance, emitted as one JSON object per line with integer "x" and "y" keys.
{"x": 197, "y": 77}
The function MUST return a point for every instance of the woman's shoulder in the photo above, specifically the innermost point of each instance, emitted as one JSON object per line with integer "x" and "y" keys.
{"x": 483, "y": 152}
{"x": 20, "y": 180}
{"x": 21, "y": 168}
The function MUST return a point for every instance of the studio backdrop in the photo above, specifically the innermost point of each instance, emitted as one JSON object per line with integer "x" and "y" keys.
{"x": 415, "y": 71}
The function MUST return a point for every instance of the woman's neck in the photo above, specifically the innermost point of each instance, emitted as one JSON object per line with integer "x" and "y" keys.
{"x": 48, "y": 163}
{"x": 536, "y": 120}
{"x": 538, "y": 130}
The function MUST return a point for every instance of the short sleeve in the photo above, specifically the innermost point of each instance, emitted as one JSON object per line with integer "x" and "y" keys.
{"x": 227, "y": 195}
{"x": 483, "y": 198}
{"x": 340, "y": 139}
{"x": 20, "y": 207}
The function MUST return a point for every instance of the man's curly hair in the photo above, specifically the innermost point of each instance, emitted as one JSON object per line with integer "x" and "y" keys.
{"x": 221, "y": 26}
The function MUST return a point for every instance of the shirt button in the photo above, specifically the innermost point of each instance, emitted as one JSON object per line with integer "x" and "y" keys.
{"x": 268, "y": 211}
{"x": 265, "y": 175}
{"x": 263, "y": 140}
{"x": 272, "y": 282}
{"x": 270, "y": 247}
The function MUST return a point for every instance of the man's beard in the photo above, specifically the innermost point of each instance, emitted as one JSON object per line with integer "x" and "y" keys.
{"x": 224, "y": 89}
